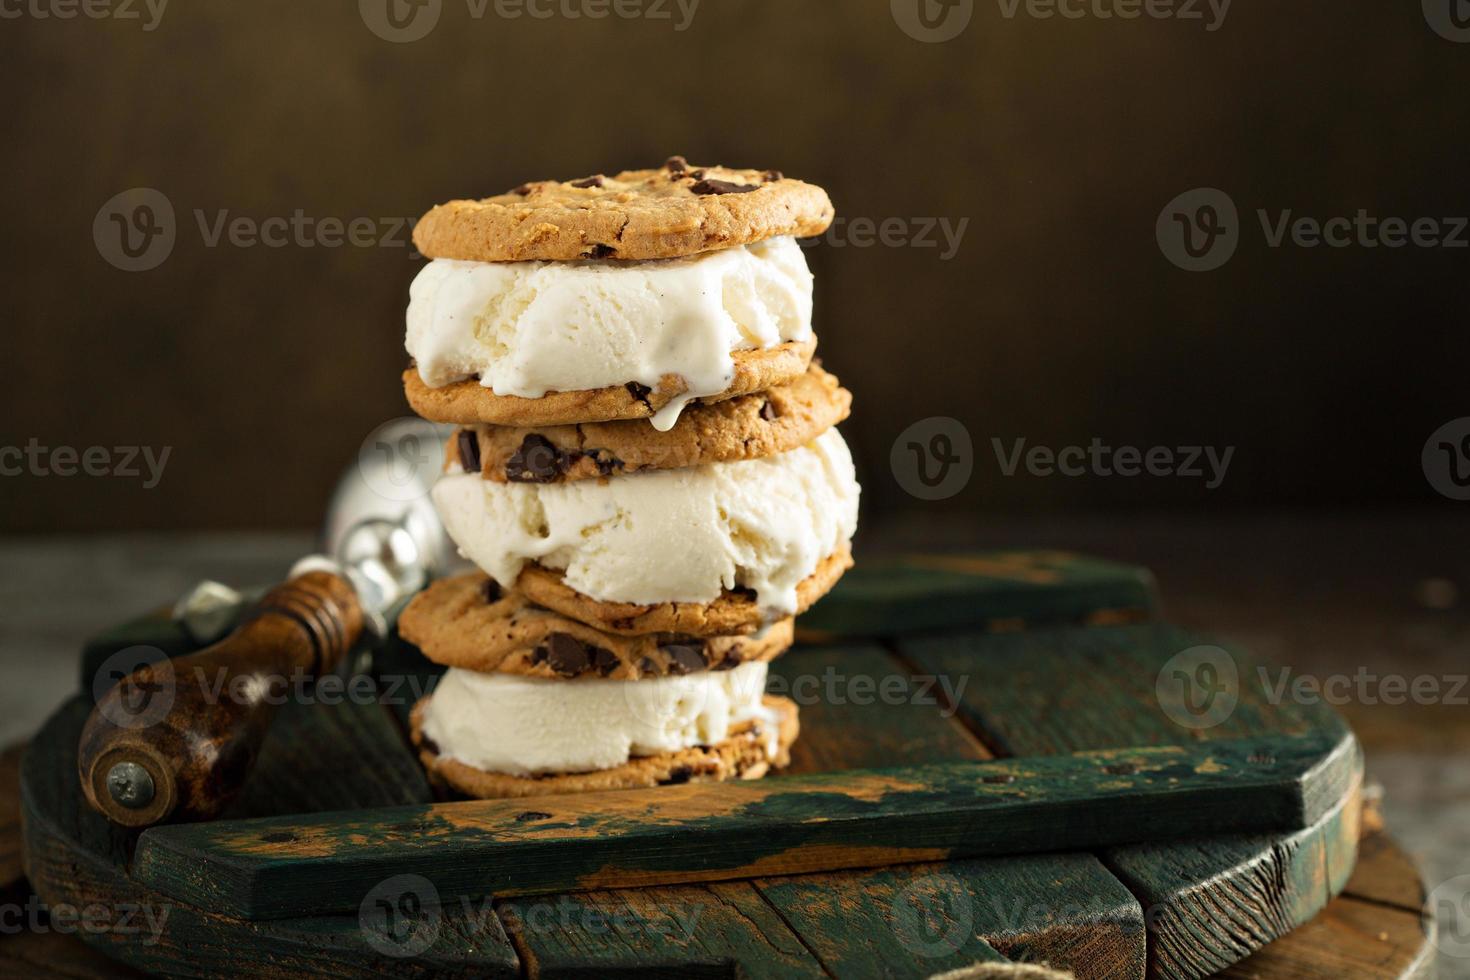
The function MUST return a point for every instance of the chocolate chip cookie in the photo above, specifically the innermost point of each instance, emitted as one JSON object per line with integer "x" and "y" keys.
{"x": 468, "y": 621}
{"x": 468, "y": 402}
{"x": 743, "y": 427}
{"x": 734, "y": 612}
{"x": 742, "y": 755}
{"x": 673, "y": 210}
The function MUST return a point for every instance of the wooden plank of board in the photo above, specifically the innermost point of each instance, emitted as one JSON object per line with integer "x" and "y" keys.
{"x": 1379, "y": 927}
{"x": 722, "y": 929}
{"x": 1211, "y": 901}
{"x": 341, "y": 754}
{"x": 1351, "y": 940}
{"x": 731, "y": 928}
{"x": 914, "y": 920}
{"x": 1062, "y": 690}
{"x": 863, "y": 709}
{"x": 1214, "y": 901}
{"x": 294, "y": 865}
{"x": 903, "y": 594}
{"x": 1066, "y": 910}
{"x": 74, "y": 858}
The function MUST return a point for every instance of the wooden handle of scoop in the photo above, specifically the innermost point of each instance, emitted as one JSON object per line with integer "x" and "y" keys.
{"x": 176, "y": 739}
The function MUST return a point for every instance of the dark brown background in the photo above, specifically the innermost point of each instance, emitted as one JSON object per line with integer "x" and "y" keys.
{"x": 1059, "y": 319}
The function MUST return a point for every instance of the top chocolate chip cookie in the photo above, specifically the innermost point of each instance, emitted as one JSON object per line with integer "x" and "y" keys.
{"x": 675, "y": 210}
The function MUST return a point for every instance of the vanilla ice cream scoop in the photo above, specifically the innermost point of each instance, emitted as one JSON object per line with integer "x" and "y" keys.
{"x": 680, "y": 535}
{"x": 526, "y": 328}
{"x": 527, "y": 725}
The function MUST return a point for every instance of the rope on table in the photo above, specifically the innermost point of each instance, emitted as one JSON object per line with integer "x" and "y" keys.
{"x": 1003, "y": 971}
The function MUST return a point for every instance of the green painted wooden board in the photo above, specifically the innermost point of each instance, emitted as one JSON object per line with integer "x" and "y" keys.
{"x": 904, "y": 594}
{"x": 1081, "y": 910}
{"x": 286, "y": 866}
{"x": 1094, "y": 690}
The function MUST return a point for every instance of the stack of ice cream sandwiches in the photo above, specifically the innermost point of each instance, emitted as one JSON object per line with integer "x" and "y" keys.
{"x": 645, "y": 470}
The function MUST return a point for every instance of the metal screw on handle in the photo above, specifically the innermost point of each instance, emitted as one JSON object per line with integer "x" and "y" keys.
{"x": 130, "y": 785}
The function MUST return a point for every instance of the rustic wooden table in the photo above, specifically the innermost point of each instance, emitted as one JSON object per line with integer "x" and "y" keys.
{"x": 1323, "y": 596}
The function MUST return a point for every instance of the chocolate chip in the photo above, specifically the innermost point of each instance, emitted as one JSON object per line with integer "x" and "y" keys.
{"x": 604, "y": 660}
{"x": 601, "y": 251}
{"x": 697, "y": 174}
{"x": 684, "y": 659}
{"x": 639, "y": 391}
{"x": 522, "y": 190}
{"x": 607, "y": 464}
{"x": 676, "y": 164}
{"x": 723, "y": 187}
{"x": 732, "y": 660}
{"x": 647, "y": 666}
{"x": 744, "y": 593}
{"x": 588, "y": 182}
{"x": 677, "y": 776}
{"x": 537, "y": 461}
{"x": 768, "y": 411}
{"x": 567, "y": 655}
{"x": 529, "y": 815}
{"x": 490, "y": 589}
{"x": 538, "y": 656}
{"x": 773, "y": 175}
{"x": 469, "y": 450}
